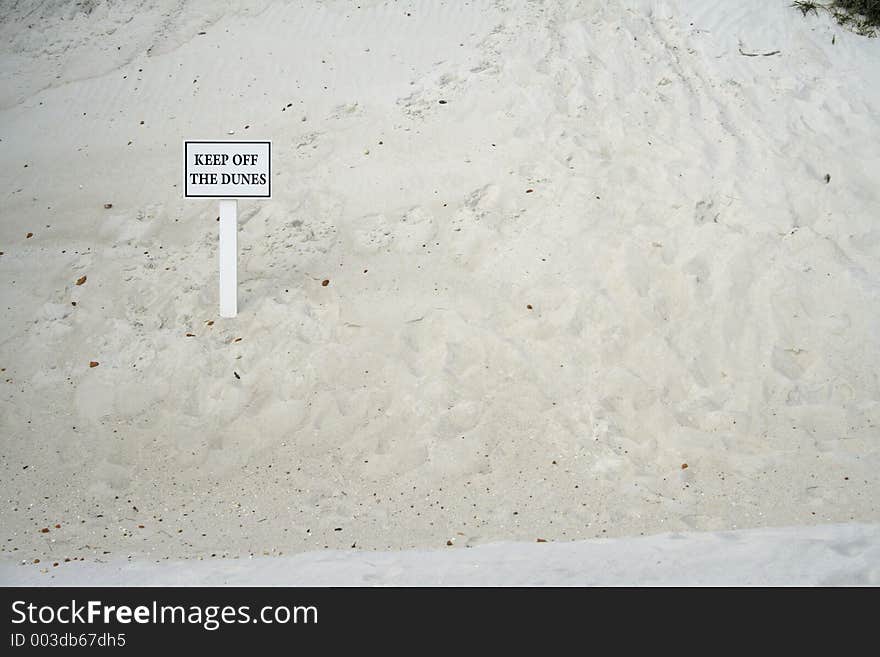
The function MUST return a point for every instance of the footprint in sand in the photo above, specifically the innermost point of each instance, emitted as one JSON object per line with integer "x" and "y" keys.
{"x": 371, "y": 233}
{"x": 408, "y": 232}
{"x": 414, "y": 229}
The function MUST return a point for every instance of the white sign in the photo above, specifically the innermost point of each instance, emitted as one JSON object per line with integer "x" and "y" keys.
{"x": 228, "y": 170}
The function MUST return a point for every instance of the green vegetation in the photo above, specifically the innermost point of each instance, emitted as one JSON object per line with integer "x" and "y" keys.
{"x": 862, "y": 16}
{"x": 807, "y": 7}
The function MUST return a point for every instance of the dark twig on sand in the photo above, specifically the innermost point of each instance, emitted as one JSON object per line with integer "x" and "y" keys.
{"x": 759, "y": 54}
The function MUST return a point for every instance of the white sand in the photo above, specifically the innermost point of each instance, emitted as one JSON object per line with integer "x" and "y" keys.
{"x": 699, "y": 293}
{"x": 835, "y": 555}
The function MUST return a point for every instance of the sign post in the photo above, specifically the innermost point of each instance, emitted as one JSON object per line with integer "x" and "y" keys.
{"x": 228, "y": 171}
{"x": 228, "y": 258}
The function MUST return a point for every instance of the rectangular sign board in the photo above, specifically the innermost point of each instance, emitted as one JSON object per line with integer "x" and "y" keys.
{"x": 227, "y": 169}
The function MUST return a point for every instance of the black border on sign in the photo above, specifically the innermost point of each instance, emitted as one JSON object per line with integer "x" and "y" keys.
{"x": 186, "y": 144}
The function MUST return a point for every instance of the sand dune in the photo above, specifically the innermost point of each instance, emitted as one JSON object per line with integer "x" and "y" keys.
{"x": 609, "y": 254}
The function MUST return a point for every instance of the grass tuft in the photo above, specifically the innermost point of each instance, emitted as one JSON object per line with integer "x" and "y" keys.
{"x": 807, "y": 7}
{"x": 861, "y": 16}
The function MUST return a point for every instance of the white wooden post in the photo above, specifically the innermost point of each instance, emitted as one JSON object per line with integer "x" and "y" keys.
{"x": 227, "y": 171}
{"x": 228, "y": 257}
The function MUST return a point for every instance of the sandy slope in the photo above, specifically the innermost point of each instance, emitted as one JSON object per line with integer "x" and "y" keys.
{"x": 699, "y": 294}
